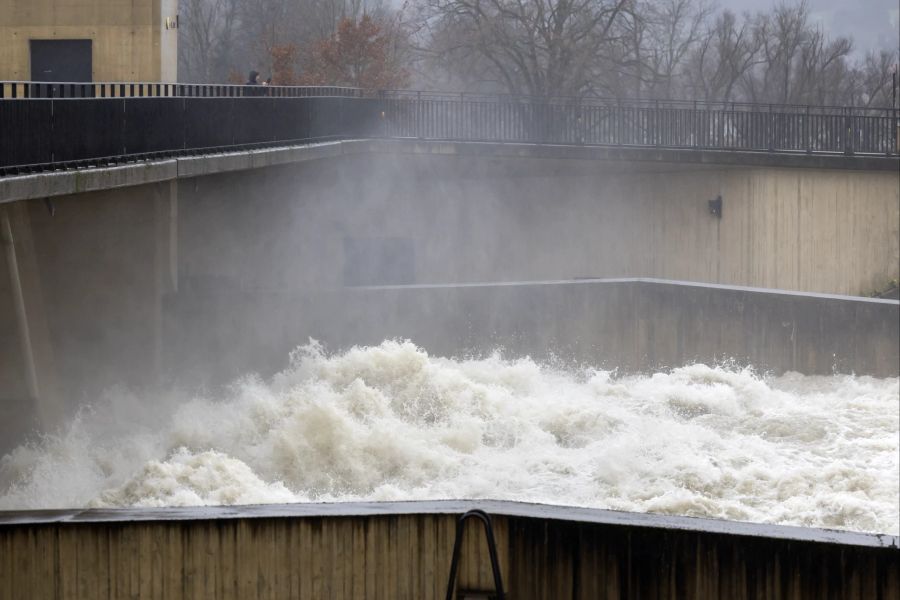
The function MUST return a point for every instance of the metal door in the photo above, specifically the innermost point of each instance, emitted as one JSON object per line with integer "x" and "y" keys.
{"x": 61, "y": 60}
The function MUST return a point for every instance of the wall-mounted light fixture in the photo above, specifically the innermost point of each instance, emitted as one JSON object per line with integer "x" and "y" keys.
{"x": 715, "y": 207}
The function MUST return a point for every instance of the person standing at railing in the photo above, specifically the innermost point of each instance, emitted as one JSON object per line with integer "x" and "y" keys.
{"x": 254, "y": 88}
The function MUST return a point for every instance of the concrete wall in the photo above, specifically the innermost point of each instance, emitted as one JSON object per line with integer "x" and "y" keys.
{"x": 403, "y": 551}
{"x": 629, "y": 325}
{"x": 130, "y": 40}
{"x": 475, "y": 220}
{"x": 94, "y": 269}
{"x": 124, "y": 273}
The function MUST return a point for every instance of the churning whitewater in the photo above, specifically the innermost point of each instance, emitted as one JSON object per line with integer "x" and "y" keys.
{"x": 391, "y": 422}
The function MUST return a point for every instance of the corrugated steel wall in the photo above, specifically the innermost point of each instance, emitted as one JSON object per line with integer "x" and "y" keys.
{"x": 408, "y": 556}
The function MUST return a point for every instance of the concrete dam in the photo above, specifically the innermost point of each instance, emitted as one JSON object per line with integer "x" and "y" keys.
{"x": 286, "y": 371}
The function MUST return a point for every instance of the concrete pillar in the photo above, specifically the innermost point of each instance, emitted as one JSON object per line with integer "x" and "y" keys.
{"x": 165, "y": 263}
{"x": 34, "y": 336}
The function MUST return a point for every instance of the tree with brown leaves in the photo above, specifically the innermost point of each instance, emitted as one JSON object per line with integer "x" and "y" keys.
{"x": 284, "y": 60}
{"x": 363, "y": 54}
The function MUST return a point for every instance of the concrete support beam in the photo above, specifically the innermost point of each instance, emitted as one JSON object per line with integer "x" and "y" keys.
{"x": 34, "y": 337}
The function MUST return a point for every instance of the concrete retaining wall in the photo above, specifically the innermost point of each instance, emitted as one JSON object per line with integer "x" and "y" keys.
{"x": 630, "y": 325}
{"x": 462, "y": 217}
{"x": 402, "y": 551}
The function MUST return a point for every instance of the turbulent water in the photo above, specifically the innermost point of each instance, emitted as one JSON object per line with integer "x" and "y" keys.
{"x": 390, "y": 422}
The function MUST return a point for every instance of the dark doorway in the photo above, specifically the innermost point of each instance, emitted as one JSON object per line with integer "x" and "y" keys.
{"x": 61, "y": 60}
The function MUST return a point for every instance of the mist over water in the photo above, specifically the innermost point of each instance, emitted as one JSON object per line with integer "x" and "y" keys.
{"x": 391, "y": 422}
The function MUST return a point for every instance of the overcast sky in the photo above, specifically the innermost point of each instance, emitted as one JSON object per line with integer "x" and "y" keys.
{"x": 871, "y": 23}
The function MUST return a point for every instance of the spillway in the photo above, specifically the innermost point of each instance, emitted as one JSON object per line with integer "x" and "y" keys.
{"x": 342, "y": 476}
{"x": 391, "y": 422}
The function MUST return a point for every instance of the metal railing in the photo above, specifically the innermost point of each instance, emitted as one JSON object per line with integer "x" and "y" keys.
{"x": 145, "y": 89}
{"x": 39, "y": 133}
{"x": 672, "y": 124}
{"x": 646, "y": 103}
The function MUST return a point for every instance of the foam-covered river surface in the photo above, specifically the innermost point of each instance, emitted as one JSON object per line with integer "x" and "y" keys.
{"x": 393, "y": 423}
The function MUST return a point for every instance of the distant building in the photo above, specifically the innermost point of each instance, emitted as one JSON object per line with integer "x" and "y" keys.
{"x": 89, "y": 40}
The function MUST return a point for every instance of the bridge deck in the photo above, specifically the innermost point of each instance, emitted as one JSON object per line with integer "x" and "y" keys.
{"x": 137, "y": 172}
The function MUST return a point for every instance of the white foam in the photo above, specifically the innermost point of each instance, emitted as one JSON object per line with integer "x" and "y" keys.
{"x": 390, "y": 422}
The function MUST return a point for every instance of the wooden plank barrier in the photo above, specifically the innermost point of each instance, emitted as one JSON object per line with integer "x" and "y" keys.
{"x": 403, "y": 550}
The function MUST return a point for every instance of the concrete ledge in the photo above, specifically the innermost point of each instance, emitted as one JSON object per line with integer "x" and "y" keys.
{"x": 653, "y": 280}
{"x": 57, "y": 183}
{"x": 631, "y": 325}
{"x": 195, "y": 166}
{"x": 631, "y": 154}
{"x": 634, "y": 325}
{"x": 493, "y": 507}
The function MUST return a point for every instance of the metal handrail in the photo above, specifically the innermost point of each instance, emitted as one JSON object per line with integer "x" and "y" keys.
{"x": 485, "y": 519}
{"x": 40, "y": 134}
{"x": 114, "y": 89}
{"x": 638, "y": 102}
{"x": 16, "y": 89}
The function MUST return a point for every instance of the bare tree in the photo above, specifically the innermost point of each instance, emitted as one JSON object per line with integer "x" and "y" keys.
{"x": 219, "y": 38}
{"x": 875, "y": 80}
{"x": 675, "y": 27}
{"x": 798, "y": 62}
{"x": 619, "y": 48}
{"x": 207, "y": 36}
{"x": 529, "y": 47}
{"x": 722, "y": 57}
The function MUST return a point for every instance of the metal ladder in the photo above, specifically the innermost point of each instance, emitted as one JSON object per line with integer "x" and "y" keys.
{"x": 492, "y": 549}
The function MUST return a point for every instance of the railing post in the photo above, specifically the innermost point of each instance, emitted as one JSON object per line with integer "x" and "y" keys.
{"x": 694, "y": 129}
{"x": 619, "y": 119}
{"x": 462, "y": 112}
{"x": 183, "y": 123}
{"x": 52, "y": 137}
{"x": 848, "y": 132}
{"x": 579, "y": 124}
{"x": 770, "y": 126}
{"x": 895, "y": 134}
{"x": 419, "y": 118}
{"x": 383, "y": 113}
{"x": 657, "y": 130}
{"x": 806, "y": 130}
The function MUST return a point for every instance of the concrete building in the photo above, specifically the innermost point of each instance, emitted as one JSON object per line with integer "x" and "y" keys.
{"x": 89, "y": 40}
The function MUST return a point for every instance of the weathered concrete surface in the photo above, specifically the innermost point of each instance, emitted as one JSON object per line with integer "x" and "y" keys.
{"x": 696, "y": 156}
{"x": 65, "y": 183}
{"x": 637, "y": 325}
{"x": 449, "y": 507}
{"x": 43, "y": 185}
{"x": 95, "y": 272}
{"x": 500, "y": 212}
{"x": 458, "y": 219}
{"x": 33, "y": 354}
{"x": 403, "y": 550}
{"x": 629, "y": 325}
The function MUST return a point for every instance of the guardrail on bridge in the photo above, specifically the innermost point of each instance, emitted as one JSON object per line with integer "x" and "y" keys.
{"x": 51, "y": 126}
